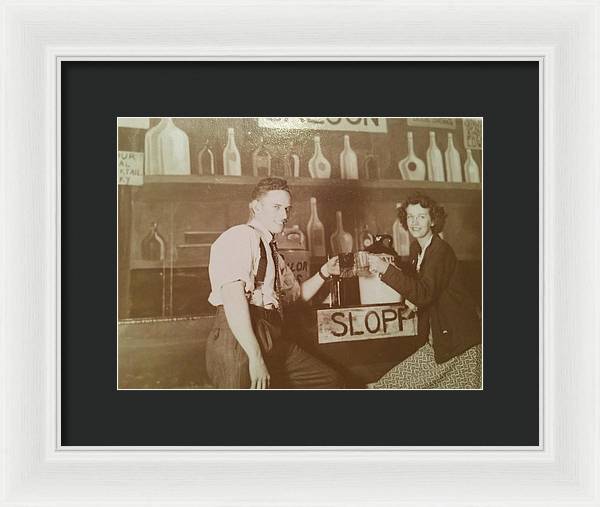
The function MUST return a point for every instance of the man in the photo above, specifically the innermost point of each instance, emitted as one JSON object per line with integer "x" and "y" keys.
{"x": 250, "y": 282}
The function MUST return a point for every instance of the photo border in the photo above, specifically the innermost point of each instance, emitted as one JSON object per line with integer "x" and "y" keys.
{"x": 563, "y": 470}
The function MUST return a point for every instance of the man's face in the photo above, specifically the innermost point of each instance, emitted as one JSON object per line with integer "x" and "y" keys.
{"x": 272, "y": 210}
{"x": 418, "y": 220}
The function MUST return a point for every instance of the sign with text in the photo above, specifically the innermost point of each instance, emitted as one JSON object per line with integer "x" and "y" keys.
{"x": 363, "y": 323}
{"x": 442, "y": 123}
{"x": 130, "y": 168}
{"x": 320, "y": 123}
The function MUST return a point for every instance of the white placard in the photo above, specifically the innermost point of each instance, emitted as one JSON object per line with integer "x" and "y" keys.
{"x": 440, "y": 123}
{"x": 134, "y": 123}
{"x": 359, "y": 124}
{"x": 130, "y": 168}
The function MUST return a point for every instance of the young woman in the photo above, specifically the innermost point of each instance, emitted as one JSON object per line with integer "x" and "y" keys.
{"x": 448, "y": 323}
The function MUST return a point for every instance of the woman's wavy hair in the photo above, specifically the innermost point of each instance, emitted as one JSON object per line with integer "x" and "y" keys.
{"x": 437, "y": 213}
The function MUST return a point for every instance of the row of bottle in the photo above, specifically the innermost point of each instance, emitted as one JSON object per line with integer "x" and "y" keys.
{"x": 167, "y": 151}
{"x": 341, "y": 241}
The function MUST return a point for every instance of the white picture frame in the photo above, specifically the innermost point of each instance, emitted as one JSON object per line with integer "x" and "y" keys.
{"x": 562, "y": 35}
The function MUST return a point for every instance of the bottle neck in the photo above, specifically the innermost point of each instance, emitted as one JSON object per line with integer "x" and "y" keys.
{"x": 318, "y": 147}
{"x": 411, "y": 148}
{"x": 346, "y": 142}
{"x": 432, "y": 142}
{"x": 313, "y": 208}
{"x": 338, "y": 218}
{"x": 450, "y": 141}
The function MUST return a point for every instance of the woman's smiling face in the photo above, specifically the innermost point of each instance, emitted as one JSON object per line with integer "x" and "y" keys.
{"x": 418, "y": 220}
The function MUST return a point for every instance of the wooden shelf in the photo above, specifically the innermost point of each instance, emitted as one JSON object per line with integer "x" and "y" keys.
{"x": 310, "y": 182}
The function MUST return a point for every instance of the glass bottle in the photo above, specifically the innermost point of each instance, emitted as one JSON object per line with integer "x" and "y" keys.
{"x": 174, "y": 149}
{"x": 315, "y": 231}
{"x": 452, "y": 159}
{"x": 295, "y": 238}
{"x": 348, "y": 161}
{"x": 471, "y": 169}
{"x": 400, "y": 236}
{"x": 151, "y": 152}
{"x": 318, "y": 165}
{"x": 206, "y": 160}
{"x": 365, "y": 238}
{"x": 435, "y": 164}
{"x": 341, "y": 241}
{"x": 153, "y": 245}
{"x": 371, "y": 167}
{"x": 232, "y": 165}
{"x": 261, "y": 161}
{"x": 411, "y": 167}
{"x": 292, "y": 163}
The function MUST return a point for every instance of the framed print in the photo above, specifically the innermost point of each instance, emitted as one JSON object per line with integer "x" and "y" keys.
{"x": 56, "y": 431}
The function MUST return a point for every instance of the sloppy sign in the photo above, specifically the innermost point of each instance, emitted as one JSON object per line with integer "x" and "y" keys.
{"x": 360, "y": 124}
{"x": 363, "y": 323}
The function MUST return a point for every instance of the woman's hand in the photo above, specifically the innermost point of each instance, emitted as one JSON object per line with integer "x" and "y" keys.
{"x": 377, "y": 265}
{"x": 331, "y": 267}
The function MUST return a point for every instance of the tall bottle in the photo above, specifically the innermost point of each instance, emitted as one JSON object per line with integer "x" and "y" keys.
{"x": 452, "y": 159}
{"x": 471, "y": 169}
{"x": 348, "y": 161}
{"x": 371, "y": 167}
{"x": 291, "y": 163}
{"x": 152, "y": 163}
{"x": 341, "y": 241}
{"x": 261, "y": 161}
{"x": 411, "y": 167}
{"x": 153, "y": 245}
{"x": 318, "y": 165}
{"x": 315, "y": 231}
{"x": 435, "y": 163}
{"x": 174, "y": 149}
{"x": 206, "y": 160}
{"x": 232, "y": 165}
{"x": 400, "y": 236}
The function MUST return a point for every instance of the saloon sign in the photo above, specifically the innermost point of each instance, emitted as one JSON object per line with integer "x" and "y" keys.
{"x": 358, "y": 124}
{"x": 363, "y": 323}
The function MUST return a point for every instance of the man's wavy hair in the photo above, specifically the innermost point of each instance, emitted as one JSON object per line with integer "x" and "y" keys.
{"x": 266, "y": 185}
{"x": 436, "y": 212}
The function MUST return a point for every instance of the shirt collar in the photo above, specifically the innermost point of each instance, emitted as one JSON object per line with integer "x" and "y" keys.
{"x": 266, "y": 234}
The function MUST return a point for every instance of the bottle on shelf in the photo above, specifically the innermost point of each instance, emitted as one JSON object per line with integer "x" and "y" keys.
{"x": 365, "y": 238}
{"x": 471, "y": 169}
{"x": 261, "y": 161}
{"x": 371, "y": 167}
{"x": 315, "y": 231}
{"x": 232, "y": 165}
{"x": 453, "y": 164}
{"x": 153, "y": 245}
{"x": 341, "y": 241}
{"x": 348, "y": 161}
{"x": 435, "y": 163}
{"x": 291, "y": 163}
{"x": 400, "y": 236}
{"x": 174, "y": 149}
{"x": 152, "y": 162}
{"x": 318, "y": 165}
{"x": 412, "y": 167}
{"x": 206, "y": 160}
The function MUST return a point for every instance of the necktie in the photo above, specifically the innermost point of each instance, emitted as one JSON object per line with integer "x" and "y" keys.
{"x": 275, "y": 256}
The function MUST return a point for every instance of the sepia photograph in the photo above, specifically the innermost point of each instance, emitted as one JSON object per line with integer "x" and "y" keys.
{"x": 300, "y": 253}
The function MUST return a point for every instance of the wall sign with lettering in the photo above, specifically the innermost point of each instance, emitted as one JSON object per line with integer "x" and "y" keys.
{"x": 363, "y": 323}
{"x": 320, "y": 123}
{"x": 440, "y": 123}
{"x": 130, "y": 168}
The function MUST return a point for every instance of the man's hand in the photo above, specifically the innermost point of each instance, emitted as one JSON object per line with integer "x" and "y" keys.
{"x": 377, "y": 264}
{"x": 259, "y": 375}
{"x": 331, "y": 267}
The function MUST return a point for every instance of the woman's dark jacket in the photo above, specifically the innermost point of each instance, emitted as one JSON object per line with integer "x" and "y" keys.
{"x": 440, "y": 298}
